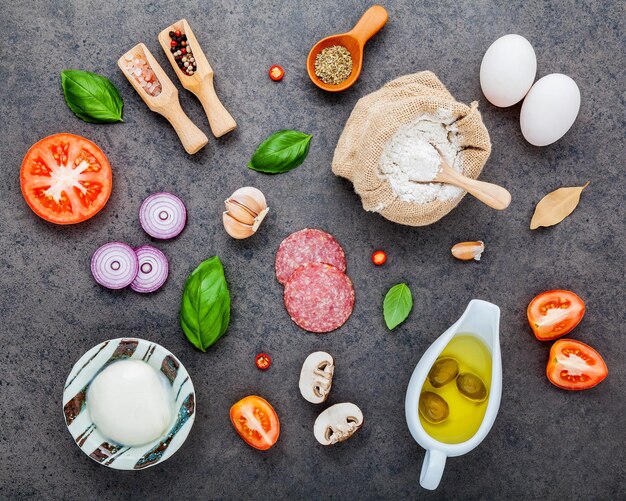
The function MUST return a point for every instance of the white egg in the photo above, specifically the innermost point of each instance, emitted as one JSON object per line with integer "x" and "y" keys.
{"x": 508, "y": 70}
{"x": 550, "y": 109}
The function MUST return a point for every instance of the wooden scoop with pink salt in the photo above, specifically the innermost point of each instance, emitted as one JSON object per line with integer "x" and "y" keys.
{"x": 140, "y": 70}
{"x": 160, "y": 95}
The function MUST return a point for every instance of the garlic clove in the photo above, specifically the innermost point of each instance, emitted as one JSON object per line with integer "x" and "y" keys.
{"x": 259, "y": 219}
{"x": 240, "y": 212}
{"x": 250, "y": 197}
{"x": 466, "y": 251}
{"x": 236, "y": 229}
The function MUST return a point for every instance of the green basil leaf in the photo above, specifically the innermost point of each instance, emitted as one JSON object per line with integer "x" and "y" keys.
{"x": 397, "y": 305}
{"x": 91, "y": 97}
{"x": 282, "y": 151}
{"x": 205, "y": 308}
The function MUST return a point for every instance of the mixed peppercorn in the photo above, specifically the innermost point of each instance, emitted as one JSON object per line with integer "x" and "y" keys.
{"x": 179, "y": 46}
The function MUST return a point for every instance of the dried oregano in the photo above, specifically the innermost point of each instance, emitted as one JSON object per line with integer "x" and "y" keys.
{"x": 333, "y": 65}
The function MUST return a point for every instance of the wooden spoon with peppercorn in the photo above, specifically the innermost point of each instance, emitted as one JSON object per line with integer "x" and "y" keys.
{"x": 195, "y": 73}
{"x": 159, "y": 93}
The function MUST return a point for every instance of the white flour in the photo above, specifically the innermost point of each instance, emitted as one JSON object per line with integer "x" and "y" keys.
{"x": 409, "y": 157}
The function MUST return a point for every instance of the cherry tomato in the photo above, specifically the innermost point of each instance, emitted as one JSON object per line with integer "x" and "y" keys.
{"x": 276, "y": 73}
{"x": 263, "y": 361}
{"x": 553, "y": 314}
{"x": 65, "y": 178}
{"x": 256, "y": 422}
{"x": 379, "y": 258}
{"x": 575, "y": 366}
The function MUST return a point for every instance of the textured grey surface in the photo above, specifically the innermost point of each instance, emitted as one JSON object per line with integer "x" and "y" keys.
{"x": 546, "y": 443}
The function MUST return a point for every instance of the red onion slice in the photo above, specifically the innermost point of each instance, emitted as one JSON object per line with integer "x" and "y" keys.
{"x": 114, "y": 265}
{"x": 153, "y": 269}
{"x": 162, "y": 215}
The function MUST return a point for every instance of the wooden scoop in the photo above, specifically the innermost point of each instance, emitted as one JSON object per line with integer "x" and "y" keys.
{"x": 490, "y": 194}
{"x": 201, "y": 82}
{"x": 166, "y": 103}
{"x": 354, "y": 40}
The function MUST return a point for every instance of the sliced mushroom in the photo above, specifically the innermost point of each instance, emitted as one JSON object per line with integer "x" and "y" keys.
{"x": 316, "y": 377}
{"x": 337, "y": 423}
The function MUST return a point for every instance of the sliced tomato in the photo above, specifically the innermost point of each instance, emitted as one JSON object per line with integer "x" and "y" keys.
{"x": 575, "y": 366}
{"x": 65, "y": 178}
{"x": 553, "y": 314}
{"x": 256, "y": 422}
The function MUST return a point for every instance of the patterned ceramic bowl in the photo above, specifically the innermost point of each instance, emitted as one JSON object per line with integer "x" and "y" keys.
{"x": 86, "y": 434}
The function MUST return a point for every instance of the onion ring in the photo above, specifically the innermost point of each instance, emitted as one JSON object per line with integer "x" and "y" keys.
{"x": 153, "y": 269}
{"x": 114, "y": 265}
{"x": 163, "y": 215}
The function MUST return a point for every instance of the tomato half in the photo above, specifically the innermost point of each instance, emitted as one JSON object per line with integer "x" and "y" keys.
{"x": 256, "y": 422}
{"x": 65, "y": 178}
{"x": 553, "y": 314}
{"x": 575, "y": 366}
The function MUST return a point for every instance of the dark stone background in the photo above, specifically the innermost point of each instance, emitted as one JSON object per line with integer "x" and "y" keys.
{"x": 546, "y": 443}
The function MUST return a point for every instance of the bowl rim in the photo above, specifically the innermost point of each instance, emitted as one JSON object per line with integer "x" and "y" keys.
{"x": 101, "y": 449}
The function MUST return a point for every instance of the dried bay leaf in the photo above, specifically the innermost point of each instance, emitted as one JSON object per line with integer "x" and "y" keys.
{"x": 556, "y": 206}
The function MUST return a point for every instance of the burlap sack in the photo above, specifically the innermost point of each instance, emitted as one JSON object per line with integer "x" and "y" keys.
{"x": 376, "y": 118}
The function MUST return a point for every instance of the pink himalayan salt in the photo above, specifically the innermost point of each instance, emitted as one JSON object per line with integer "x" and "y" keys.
{"x": 140, "y": 70}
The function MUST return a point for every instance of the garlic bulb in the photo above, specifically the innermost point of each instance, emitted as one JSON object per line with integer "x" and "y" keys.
{"x": 245, "y": 211}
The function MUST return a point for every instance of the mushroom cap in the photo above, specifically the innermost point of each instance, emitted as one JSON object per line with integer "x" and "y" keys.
{"x": 337, "y": 423}
{"x": 316, "y": 377}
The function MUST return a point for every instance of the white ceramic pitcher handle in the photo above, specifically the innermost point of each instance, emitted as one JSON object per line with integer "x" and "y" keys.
{"x": 432, "y": 469}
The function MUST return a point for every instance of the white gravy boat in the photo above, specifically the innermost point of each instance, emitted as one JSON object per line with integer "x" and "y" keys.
{"x": 481, "y": 319}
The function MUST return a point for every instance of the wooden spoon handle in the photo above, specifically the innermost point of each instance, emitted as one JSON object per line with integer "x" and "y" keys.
{"x": 193, "y": 139}
{"x": 490, "y": 194}
{"x": 220, "y": 120}
{"x": 370, "y": 23}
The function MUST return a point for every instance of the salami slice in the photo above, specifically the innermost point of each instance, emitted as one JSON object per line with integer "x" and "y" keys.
{"x": 307, "y": 246}
{"x": 319, "y": 297}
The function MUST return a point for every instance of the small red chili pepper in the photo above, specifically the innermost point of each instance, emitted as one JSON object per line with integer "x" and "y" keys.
{"x": 263, "y": 361}
{"x": 276, "y": 73}
{"x": 379, "y": 257}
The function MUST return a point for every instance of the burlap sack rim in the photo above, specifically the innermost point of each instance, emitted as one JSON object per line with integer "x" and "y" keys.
{"x": 408, "y": 87}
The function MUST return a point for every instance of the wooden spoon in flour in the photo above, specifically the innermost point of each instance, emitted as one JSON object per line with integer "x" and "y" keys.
{"x": 490, "y": 194}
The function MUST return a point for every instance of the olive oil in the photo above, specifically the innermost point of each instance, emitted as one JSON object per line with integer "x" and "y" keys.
{"x": 464, "y": 413}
